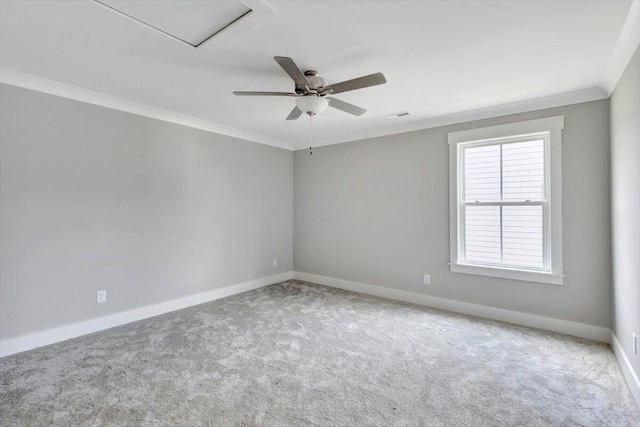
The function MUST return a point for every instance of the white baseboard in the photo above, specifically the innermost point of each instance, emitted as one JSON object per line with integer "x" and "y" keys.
{"x": 625, "y": 366}
{"x": 50, "y": 336}
{"x": 597, "y": 333}
{"x": 582, "y": 330}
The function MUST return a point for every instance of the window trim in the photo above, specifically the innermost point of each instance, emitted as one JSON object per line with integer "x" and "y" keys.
{"x": 552, "y": 126}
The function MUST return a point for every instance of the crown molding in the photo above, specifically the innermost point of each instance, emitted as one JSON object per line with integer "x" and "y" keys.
{"x": 52, "y": 87}
{"x": 576, "y": 97}
{"x": 623, "y": 51}
{"x": 28, "y": 81}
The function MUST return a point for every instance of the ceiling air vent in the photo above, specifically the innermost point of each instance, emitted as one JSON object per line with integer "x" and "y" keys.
{"x": 193, "y": 22}
{"x": 396, "y": 115}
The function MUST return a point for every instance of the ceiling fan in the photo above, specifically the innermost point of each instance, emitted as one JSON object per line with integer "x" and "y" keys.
{"x": 311, "y": 91}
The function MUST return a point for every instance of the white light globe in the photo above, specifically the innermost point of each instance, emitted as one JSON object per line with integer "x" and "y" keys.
{"x": 312, "y": 104}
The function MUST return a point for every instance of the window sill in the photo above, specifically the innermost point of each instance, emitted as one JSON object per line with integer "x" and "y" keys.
{"x": 508, "y": 273}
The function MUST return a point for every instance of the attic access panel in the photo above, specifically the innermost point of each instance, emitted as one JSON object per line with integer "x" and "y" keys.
{"x": 190, "y": 21}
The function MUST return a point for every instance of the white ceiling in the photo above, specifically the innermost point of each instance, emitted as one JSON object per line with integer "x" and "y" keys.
{"x": 439, "y": 57}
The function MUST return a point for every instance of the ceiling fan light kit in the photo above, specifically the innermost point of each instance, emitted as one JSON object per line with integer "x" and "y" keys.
{"x": 311, "y": 104}
{"x": 311, "y": 91}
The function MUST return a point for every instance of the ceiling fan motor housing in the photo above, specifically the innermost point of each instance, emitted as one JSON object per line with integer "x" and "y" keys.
{"x": 315, "y": 80}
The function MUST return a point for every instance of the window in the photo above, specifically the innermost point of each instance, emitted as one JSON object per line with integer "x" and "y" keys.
{"x": 506, "y": 206}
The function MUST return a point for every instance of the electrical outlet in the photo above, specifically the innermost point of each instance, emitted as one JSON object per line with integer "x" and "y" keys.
{"x": 635, "y": 343}
{"x": 275, "y": 262}
{"x": 101, "y": 296}
{"x": 427, "y": 279}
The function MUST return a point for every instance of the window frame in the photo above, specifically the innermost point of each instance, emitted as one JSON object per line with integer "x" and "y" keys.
{"x": 543, "y": 203}
{"x": 551, "y": 129}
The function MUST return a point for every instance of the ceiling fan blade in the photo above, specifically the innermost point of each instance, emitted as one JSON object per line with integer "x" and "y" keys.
{"x": 292, "y": 69}
{"x": 244, "y": 93}
{"x": 359, "y": 83}
{"x": 346, "y": 107}
{"x": 294, "y": 114}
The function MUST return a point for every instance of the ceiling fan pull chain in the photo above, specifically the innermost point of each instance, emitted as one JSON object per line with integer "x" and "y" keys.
{"x": 310, "y": 135}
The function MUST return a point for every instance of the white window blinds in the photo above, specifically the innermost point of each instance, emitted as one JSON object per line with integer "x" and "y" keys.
{"x": 504, "y": 203}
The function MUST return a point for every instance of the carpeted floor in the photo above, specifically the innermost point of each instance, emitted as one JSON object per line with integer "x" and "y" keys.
{"x": 301, "y": 354}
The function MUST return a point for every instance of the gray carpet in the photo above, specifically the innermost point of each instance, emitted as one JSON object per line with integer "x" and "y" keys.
{"x": 302, "y": 354}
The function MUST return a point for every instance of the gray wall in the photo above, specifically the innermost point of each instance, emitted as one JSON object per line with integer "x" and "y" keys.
{"x": 93, "y": 198}
{"x": 376, "y": 211}
{"x": 625, "y": 204}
